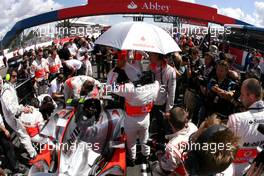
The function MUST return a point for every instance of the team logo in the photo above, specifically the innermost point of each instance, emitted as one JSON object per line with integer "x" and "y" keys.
{"x": 132, "y": 5}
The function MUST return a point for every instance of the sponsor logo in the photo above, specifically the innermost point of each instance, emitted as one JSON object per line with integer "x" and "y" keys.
{"x": 156, "y": 6}
{"x": 256, "y": 121}
{"x": 132, "y": 5}
{"x": 150, "y": 6}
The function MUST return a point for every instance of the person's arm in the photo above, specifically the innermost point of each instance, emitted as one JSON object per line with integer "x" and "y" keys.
{"x": 171, "y": 91}
{"x": 227, "y": 95}
{"x": 11, "y": 103}
{"x": 178, "y": 73}
{"x": 170, "y": 160}
{"x": 32, "y": 70}
{"x": 71, "y": 68}
{"x": 40, "y": 120}
{"x": 233, "y": 124}
{"x": 54, "y": 94}
{"x": 255, "y": 170}
{"x": 3, "y": 128}
{"x": 89, "y": 68}
{"x": 57, "y": 95}
{"x": 46, "y": 67}
{"x": 59, "y": 62}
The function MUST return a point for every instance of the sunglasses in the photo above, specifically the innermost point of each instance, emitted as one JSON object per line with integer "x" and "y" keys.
{"x": 13, "y": 76}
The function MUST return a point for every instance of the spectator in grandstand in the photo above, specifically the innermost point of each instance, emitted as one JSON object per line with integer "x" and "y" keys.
{"x": 245, "y": 124}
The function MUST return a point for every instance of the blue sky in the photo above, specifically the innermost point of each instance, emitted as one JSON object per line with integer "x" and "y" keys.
{"x": 246, "y": 5}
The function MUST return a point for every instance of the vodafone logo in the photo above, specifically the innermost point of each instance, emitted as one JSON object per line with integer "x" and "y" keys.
{"x": 132, "y": 5}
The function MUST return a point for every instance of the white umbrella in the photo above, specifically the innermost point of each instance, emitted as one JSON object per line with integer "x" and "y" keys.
{"x": 138, "y": 36}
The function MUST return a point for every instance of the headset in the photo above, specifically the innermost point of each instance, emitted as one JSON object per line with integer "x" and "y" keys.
{"x": 193, "y": 162}
{"x": 8, "y": 77}
{"x": 8, "y": 74}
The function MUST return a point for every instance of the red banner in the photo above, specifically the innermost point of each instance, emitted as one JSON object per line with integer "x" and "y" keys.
{"x": 155, "y": 7}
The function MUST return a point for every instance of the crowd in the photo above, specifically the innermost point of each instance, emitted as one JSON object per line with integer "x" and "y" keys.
{"x": 198, "y": 95}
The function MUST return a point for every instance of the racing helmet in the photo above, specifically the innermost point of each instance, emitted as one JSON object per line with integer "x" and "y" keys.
{"x": 88, "y": 112}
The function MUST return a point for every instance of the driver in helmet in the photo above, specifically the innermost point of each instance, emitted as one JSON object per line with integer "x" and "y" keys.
{"x": 139, "y": 97}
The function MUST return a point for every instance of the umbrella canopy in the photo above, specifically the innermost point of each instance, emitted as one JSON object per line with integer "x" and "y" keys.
{"x": 138, "y": 36}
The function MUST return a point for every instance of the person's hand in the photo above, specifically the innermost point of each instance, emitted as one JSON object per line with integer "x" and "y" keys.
{"x": 229, "y": 95}
{"x": 255, "y": 171}
{"x": 7, "y": 134}
{"x": 166, "y": 115}
{"x": 221, "y": 94}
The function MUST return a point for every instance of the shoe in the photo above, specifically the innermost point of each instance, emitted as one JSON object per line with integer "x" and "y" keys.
{"x": 141, "y": 159}
{"x": 130, "y": 163}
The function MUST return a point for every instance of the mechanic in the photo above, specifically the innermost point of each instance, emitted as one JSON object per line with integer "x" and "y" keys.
{"x": 40, "y": 70}
{"x": 54, "y": 64}
{"x": 12, "y": 110}
{"x": 76, "y": 86}
{"x": 178, "y": 120}
{"x": 33, "y": 122}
